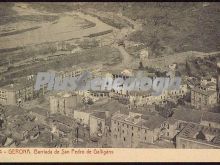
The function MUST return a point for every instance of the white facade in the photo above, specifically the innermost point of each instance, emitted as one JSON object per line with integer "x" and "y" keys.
{"x": 82, "y": 116}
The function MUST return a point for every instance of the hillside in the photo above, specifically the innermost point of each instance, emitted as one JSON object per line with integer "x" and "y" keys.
{"x": 167, "y": 27}
{"x": 173, "y": 27}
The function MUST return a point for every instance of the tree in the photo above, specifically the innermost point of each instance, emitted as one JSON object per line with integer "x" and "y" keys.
{"x": 90, "y": 102}
{"x": 87, "y": 100}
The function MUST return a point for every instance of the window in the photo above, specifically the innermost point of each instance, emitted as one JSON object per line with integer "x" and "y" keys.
{"x": 132, "y": 134}
{"x": 124, "y": 138}
{"x": 145, "y": 131}
{"x": 145, "y": 138}
{"x": 115, "y": 122}
{"x": 209, "y": 125}
{"x": 139, "y": 129}
{"x": 123, "y": 131}
{"x": 132, "y": 128}
{"x": 118, "y": 129}
{"x": 167, "y": 133}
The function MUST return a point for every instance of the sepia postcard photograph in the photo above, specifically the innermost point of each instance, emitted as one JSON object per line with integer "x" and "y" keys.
{"x": 97, "y": 81}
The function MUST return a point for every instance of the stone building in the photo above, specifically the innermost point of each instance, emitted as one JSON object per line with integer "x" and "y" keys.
{"x": 210, "y": 119}
{"x": 73, "y": 71}
{"x": 82, "y": 116}
{"x": 182, "y": 117}
{"x": 97, "y": 123}
{"x": 195, "y": 136}
{"x": 63, "y": 103}
{"x": 17, "y": 93}
{"x": 134, "y": 128}
{"x": 40, "y": 114}
{"x": 179, "y": 120}
{"x": 99, "y": 126}
{"x": 8, "y": 95}
{"x": 140, "y": 98}
{"x": 202, "y": 97}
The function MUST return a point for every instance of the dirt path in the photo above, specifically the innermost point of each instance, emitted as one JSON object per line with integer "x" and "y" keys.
{"x": 44, "y": 32}
{"x": 99, "y": 24}
{"x": 128, "y": 62}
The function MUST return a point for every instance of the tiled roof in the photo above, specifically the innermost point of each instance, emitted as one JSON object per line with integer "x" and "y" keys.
{"x": 212, "y": 117}
{"x": 111, "y": 106}
{"x": 191, "y": 130}
{"x": 140, "y": 93}
{"x": 17, "y": 135}
{"x": 216, "y": 140}
{"x": 28, "y": 126}
{"x": 8, "y": 142}
{"x": 33, "y": 132}
{"x": 207, "y": 93}
{"x": 187, "y": 115}
{"x": 154, "y": 122}
{"x": 148, "y": 121}
{"x": 100, "y": 115}
{"x": 19, "y": 85}
{"x": 14, "y": 110}
{"x": 62, "y": 119}
{"x": 63, "y": 128}
{"x": 171, "y": 120}
{"x": 39, "y": 111}
{"x": 119, "y": 116}
{"x": 43, "y": 140}
{"x": 44, "y": 137}
{"x": 211, "y": 84}
{"x": 99, "y": 91}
